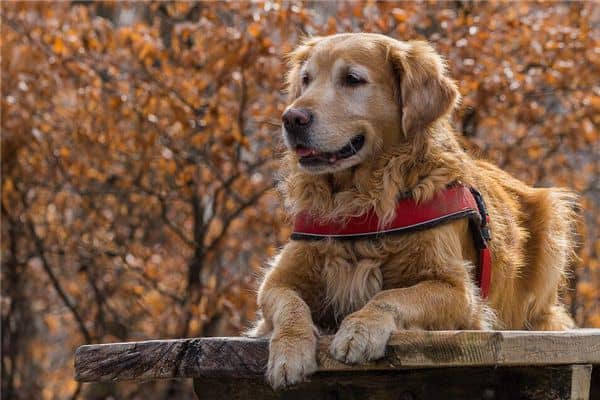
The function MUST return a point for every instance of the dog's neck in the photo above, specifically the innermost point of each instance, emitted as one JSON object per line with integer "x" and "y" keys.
{"x": 418, "y": 171}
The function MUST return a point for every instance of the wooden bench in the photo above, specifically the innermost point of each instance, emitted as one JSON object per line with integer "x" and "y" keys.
{"x": 417, "y": 365}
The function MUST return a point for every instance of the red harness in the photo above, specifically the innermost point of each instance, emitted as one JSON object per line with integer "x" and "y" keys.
{"x": 453, "y": 203}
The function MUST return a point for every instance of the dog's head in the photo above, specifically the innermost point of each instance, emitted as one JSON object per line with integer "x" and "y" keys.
{"x": 353, "y": 95}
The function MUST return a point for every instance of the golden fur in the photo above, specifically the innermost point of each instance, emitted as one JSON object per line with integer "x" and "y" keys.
{"x": 366, "y": 289}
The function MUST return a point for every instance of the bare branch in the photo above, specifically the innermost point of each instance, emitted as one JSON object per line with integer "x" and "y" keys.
{"x": 230, "y": 218}
{"x": 39, "y": 244}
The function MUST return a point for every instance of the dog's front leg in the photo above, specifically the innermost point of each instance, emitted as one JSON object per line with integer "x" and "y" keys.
{"x": 364, "y": 334}
{"x": 293, "y": 345}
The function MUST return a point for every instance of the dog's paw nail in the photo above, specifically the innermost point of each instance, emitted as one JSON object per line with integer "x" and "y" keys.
{"x": 349, "y": 346}
{"x": 290, "y": 365}
{"x": 286, "y": 374}
{"x": 355, "y": 343}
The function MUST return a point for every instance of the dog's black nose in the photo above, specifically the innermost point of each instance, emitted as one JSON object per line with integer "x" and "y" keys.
{"x": 296, "y": 120}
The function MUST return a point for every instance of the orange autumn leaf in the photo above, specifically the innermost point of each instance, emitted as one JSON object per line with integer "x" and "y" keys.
{"x": 254, "y": 29}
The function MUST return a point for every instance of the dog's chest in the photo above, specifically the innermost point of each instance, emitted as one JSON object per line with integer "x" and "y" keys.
{"x": 353, "y": 273}
{"x": 350, "y": 285}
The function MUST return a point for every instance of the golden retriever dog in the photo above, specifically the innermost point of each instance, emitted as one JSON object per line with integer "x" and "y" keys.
{"x": 368, "y": 121}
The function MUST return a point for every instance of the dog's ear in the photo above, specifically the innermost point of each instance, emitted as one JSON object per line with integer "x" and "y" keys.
{"x": 295, "y": 60}
{"x": 426, "y": 93}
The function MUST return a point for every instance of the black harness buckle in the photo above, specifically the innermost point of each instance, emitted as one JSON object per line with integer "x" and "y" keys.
{"x": 484, "y": 228}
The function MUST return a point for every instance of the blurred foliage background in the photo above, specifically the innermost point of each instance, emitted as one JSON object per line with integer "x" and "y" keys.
{"x": 140, "y": 143}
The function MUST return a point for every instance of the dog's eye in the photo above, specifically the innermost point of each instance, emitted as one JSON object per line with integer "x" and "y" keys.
{"x": 352, "y": 79}
{"x": 305, "y": 79}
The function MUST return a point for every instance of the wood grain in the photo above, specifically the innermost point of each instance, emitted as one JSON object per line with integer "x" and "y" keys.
{"x": 182, "y": 358}
{"x": 247, "y": 358}
{"x": 580, "y": 382}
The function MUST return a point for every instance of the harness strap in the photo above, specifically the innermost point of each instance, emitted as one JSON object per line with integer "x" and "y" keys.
{"x": 455, "y": 202}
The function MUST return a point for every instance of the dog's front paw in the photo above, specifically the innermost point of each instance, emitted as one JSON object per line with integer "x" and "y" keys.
{"x": 291, "y": 359}
{"x": 360, "y": 339}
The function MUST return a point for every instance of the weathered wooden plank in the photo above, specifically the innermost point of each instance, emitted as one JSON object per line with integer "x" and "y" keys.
{"x": 487, "y": 383}
{"x": 595, "y": 383}
{"x": 580, "y": 382}
{"x": 433, "y": 349}
{"x": 247, "y": 358}
{"x": 181, "y": 358}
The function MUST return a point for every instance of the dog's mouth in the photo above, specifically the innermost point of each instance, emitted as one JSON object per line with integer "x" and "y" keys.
{"x": 313, "y": 157}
